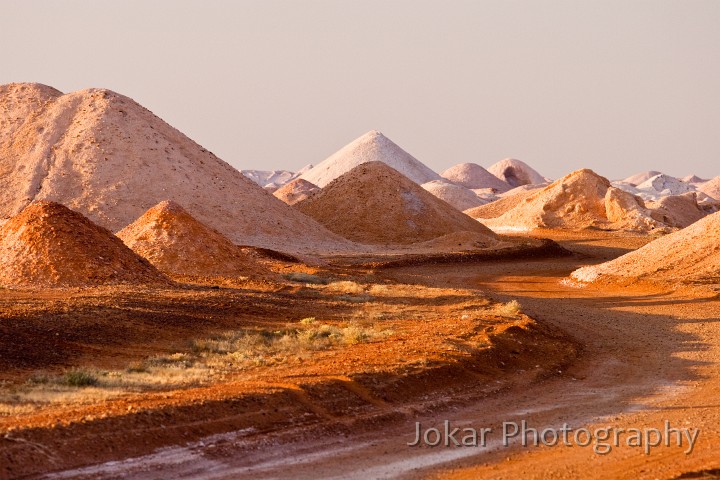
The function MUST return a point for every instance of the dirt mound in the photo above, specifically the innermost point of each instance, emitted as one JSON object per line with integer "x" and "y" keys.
{"x": 678, "y": 211}
{"x": 175, "y": 242}
{"x": 473, "y": 176}
{"x": 456, "y": 195}
{"x": 691, "y": 254}
{"x": 498, "y": 207}
{"x": 49, "y": 245}
{"x": 515, "y": 172}
{"x": 641, "y": 177}
{"x": 575, "y": 201}
{"x": 107, "y": 157}
{"x": 295, "y": 191}
{"x": 375, "y": 204}
{"x": 711, "y": 188}
{"x": 371, "y": 147}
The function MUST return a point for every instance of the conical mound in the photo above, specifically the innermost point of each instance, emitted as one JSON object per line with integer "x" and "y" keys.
{"x": 371, "y": 147}
{"x": 49, "y": 245}
{"x": 175, "y": 242}
{"x": 459, "y": 197}
{"x": 109, "y": 158}
{"x": 516, "y": 173}
{"x": 473, "y": 176}
{"x": 691, "y": 254}
{"x": 375, "y": 204}
{"x": 295, "y": 191}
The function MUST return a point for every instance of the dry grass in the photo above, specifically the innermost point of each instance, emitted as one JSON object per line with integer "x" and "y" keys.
{"x": 208, "y": 360}
{"x": 345, "y": 286}
{"x": 309, "y": 278}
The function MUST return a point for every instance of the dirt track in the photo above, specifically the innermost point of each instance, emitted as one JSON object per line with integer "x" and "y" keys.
{"x": 649, "y": 356}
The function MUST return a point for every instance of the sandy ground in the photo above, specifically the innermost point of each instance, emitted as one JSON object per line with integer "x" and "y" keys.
{"x": 648, "y": 355}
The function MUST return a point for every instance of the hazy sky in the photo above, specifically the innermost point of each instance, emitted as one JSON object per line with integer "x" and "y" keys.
{"x": 617, "y": 86}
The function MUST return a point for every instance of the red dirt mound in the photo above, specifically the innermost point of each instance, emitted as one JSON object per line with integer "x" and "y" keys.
{"x": 175, "y": 242}
{"x": 49, "y": 245}
{"x": 376, "y": 204}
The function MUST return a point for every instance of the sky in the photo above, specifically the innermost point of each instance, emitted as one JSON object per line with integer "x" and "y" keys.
{"x": 617, "y": 86}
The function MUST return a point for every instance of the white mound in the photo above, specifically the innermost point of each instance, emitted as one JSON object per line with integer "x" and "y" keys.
{"x": 456, "y": 195}
{"x": 270, "y": 180}
{"x": 641, "y": 177}
{"x": 665, "y": 185}
{"x": 371, "y": 147}
{"x": 104, "y": 155}
{"x": 473, "y": 176}
{"x": 688, "y": 255}
{"x": 516, "y": 173}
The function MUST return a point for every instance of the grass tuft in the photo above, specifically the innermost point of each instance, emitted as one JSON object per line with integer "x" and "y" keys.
{"x": 78, "y": 377}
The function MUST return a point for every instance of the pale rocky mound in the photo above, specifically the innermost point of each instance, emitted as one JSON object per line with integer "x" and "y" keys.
{"x": 500, "y": 206}
{"x": 691, "y": 255}
{"x": 626, "y": 211}
{"x": 371, "y": 147}
{"x": 456, "y": 195}
{"x": 49, "y": 245}
{"x": 664, "y": 185}
{"x": 175, "y": 242}
{"x": 473, "y": 176}
{"x": 711, "y": 188}
{"x": 515, "y": 172}
{"x": 677, "y": 211}
{"x": 107, "y": 157}
{"x": 576, "y": 201}
{"x": 641, "y": 177}
{"x": 694, "y": 179}
{"x": 375, "y": 204}
{"x": 295, "y": 191}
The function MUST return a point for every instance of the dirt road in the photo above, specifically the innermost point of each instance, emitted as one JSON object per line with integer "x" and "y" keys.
{"x": 649, "y": 356}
